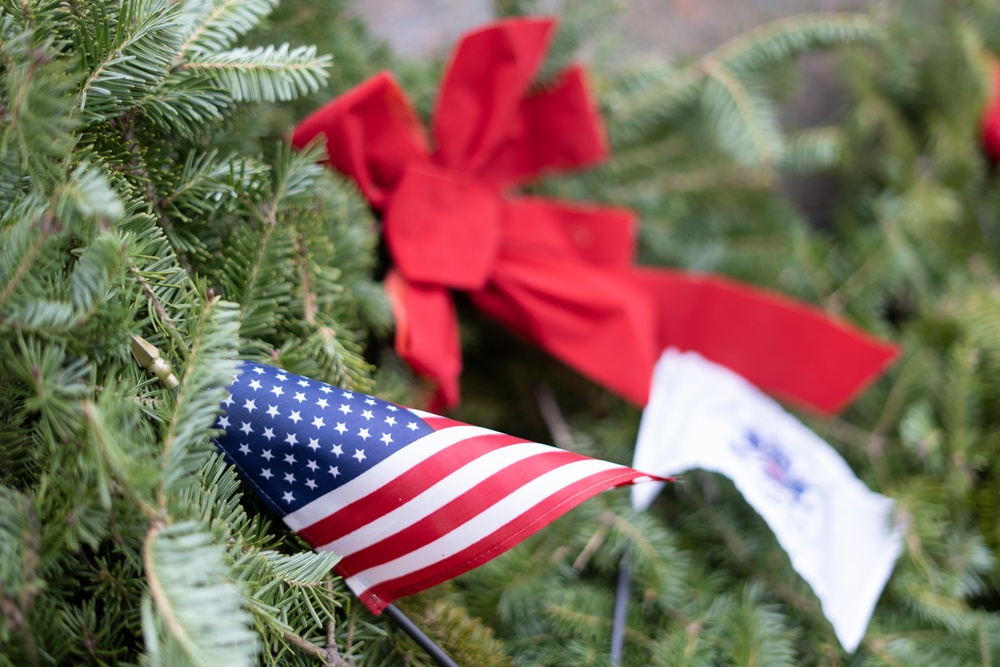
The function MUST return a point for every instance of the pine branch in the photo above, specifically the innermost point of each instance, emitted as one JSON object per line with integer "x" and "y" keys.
{"x": 208, "y": 184}
{"x": 217, "y": 24}
{"x": 660, "y": 100}
{"x": 746, "y": 126}
{"x": 295, "y": 175}
{"x": 744, "y": 556}
{"x": 23, "y": 244}
{"x": 71, "y": 305}
{"x": 20, "y": 554}
{"x": 812, "y": 149}
{"x": 151, "y": 296}
{"x": 100, "y": 124}
{"x": 210, "y": 367}
{"x": 194, "y": 616}
{"x": 758, "y": 633}
{"x": 128, "y": 54}
{"x": 252, "y": 275}
{"x": 262, "y": 74}
{"x": 87, "y": 194}
{"x": 785, "y": 38}
{"x": 37, "y": 112}
{"x": 91, "y": 278}
{"x": 185, "y": 105}
{"x": 115, "y": 463}
{"x": 138, "y": 169}
{"x": 656, "y": 102}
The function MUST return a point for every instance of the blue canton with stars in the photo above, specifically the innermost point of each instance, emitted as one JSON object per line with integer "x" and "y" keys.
{"x": 297, "y": 439}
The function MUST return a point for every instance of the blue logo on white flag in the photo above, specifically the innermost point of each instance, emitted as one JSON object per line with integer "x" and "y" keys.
{"x": 774, "y": 463}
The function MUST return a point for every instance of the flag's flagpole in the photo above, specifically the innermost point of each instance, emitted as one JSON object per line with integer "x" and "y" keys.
{"x": 560, "y": 431}
{"x": 621, "y": 610}
{"x": 148, "y": 357}
{"x": 422, "y": 640}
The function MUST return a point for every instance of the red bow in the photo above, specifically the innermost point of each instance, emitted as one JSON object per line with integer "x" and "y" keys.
{"x": 560, "y": 274}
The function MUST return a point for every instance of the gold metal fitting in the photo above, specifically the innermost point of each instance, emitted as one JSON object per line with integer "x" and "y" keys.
{"x": 149, "y": 358}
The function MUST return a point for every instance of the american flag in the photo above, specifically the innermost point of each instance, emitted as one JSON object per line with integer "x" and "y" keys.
{"x": 408, "y": 499}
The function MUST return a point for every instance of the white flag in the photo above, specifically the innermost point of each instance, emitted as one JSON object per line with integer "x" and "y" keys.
{"x": 839, "y": 535}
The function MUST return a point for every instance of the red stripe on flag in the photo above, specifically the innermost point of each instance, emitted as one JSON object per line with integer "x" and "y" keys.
{"x": 504, "y": 538}
{"x": 456, "y": 512}
{"x": 402, "y": 489}
{"x": 437, "y": 423}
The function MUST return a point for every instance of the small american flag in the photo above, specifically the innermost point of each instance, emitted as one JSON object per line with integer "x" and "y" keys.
{"x": 407, "y": 498}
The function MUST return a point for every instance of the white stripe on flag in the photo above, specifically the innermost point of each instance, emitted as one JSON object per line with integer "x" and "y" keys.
{"x": 437, "y": 496}
{"x": 381, "y": 474}
{"x": 482, "y": 525}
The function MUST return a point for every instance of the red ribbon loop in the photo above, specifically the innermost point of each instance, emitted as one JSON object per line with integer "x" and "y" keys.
{"x": 555, "y": 129}
{"x": 483, "y": 87}
{"x": 372, "y": 133}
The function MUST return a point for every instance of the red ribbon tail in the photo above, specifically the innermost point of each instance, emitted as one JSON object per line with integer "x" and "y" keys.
{"x": 427, "y": 336}
{"x": 785, "y": 347}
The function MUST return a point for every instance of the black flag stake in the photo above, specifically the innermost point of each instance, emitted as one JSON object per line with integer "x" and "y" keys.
{"x": 621, "y": 610}
{"x": 422, "y": 640}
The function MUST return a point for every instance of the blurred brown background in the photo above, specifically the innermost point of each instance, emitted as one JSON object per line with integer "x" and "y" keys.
{"x": 673, "y": 27}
